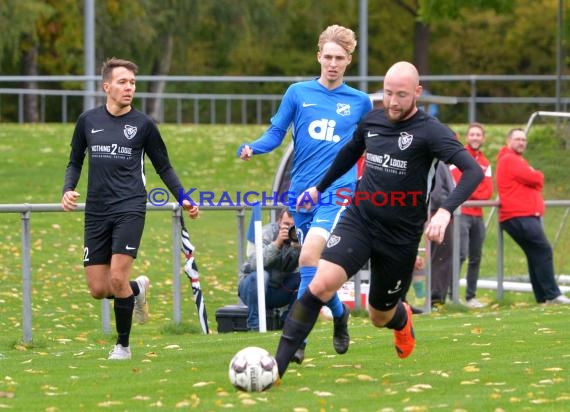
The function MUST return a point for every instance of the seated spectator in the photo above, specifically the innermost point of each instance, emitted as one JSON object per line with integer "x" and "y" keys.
{"x": 280, "y": 261}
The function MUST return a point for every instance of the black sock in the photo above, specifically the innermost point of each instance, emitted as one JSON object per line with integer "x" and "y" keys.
{"x": 399, "y": 319}
{"x": 302, "y": 317}
{"x": 124, "y": 318}
{"x": 135, "y": 287}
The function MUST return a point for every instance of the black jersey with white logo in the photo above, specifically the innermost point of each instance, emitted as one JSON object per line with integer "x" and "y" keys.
{"x": 400, "y": 165}
{"x": 400, "y": 162}
{"x": 115, "y": 147}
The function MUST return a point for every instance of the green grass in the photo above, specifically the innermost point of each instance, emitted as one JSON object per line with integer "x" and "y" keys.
{"x": 512, "y": 355}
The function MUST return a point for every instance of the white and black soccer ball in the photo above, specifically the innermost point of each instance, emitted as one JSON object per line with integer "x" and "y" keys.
{"x": 253, "y": 369}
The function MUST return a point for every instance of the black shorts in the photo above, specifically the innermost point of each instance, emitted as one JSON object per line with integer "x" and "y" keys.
{"x": 353, "y": 242}
{"x": 108, "y": 235}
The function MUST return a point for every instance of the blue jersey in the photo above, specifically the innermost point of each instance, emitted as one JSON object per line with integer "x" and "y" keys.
{"x": 322, "y": 121}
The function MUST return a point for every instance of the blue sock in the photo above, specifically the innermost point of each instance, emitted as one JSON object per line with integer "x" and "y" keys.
{"x": 307, "y": 274}
{"x": 336, "y": 307}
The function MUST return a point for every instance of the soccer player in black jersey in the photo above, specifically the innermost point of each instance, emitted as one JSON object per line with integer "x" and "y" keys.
{"x": 387, "y": 215}
{"x": 115, "y": 137}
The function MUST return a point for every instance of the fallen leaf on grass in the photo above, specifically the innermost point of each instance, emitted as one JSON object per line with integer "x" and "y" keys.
{"x": 471, "y": 368}
{"x": 365, "y": 378}
{"x": 172, "y": 347}
{"x": 34, "y": 372}
{"x": 7, "y": 395}
{"x": 109, "y": 403}
{"x": 322, "y": 393}
{"x": 539, "y": 401}
{"x": 420, "y": 387}
{"x": 201, "y": 384}
{"x": 183, "y": 404}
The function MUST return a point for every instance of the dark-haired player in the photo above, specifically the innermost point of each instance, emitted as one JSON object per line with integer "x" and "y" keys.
{"x": 116, "y": 137}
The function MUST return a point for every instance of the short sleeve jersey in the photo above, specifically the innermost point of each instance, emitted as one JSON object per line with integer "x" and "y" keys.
{"x": 400, "y": 165}
{"x": 322, "y": 121}
{"x": 115, "y": 146}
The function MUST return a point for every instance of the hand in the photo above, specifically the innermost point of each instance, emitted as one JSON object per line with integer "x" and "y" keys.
{"x": 69, "y": 200}
{"x": 282, "y": 236}
{"x": 308, "y": 198}
{"x": 246, "y": 153}
{"x": 193, "y": 210}
{"x": 435, "y": 229}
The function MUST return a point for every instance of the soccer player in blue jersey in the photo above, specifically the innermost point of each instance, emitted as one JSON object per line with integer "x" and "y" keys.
{"x": 322, "y": 115}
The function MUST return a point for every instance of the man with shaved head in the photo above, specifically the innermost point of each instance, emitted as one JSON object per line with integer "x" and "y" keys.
{"x": 387, "y": 214}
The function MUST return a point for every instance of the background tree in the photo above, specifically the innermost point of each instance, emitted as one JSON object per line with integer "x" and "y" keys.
{"x": 19, "y": 45}
{"x": 278, "y": 37}
{"x": 522, "y": 42}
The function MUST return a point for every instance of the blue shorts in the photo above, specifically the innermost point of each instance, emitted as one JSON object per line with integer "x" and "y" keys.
{"x": 324, "y": 216}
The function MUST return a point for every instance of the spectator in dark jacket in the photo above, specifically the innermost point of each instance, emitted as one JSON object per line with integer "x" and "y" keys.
{"x": 520, "y": 215}
{"x": 281, "y": 266}
{"x": 441, "y": 254}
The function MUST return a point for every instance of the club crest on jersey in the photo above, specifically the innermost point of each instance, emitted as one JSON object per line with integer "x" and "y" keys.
{"x": 333, "y": 240}
{"x": 129, "y": 131}
{"x": 343, "y": 109}
{"x": 405, "y": 140}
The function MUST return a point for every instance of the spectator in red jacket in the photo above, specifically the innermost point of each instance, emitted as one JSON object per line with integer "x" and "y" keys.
{"x": 520, "y": 215}
{"x": 471, "y": 224}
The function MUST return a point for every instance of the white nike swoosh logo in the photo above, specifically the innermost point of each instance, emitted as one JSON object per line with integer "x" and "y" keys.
{"x": 321, "y": 220}
{"x": 372, "y": 134}
{"x": 130, "y": 248}
{"x": 93, "y": 131}
{"x": 309, "y": 104}
{"x": 391, "y": 292}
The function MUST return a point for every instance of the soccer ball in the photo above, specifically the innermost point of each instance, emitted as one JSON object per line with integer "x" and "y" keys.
{"x": 253, "y": 369}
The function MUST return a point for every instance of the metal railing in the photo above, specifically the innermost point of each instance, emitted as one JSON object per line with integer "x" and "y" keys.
{"x": 456, "y": 266}
{"x": 219, "y": 108}
{"x": 25, "y": 210}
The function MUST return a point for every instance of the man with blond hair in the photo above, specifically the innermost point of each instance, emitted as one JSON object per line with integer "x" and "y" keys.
{"x": 322, "y": 114}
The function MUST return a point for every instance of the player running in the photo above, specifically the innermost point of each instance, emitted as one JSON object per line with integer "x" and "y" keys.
{"x": 322, "y": 115}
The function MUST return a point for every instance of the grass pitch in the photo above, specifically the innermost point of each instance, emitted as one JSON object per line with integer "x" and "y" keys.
{"x": 511, "y": 355}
